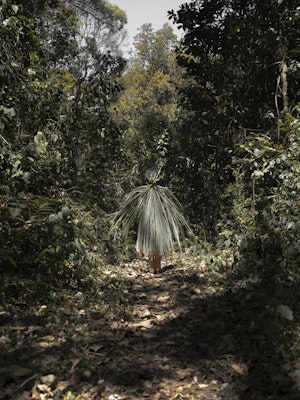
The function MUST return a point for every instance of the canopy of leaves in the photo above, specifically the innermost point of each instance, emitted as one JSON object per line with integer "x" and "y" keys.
{"x": 235, "y": 49}
{"x": 233, "y": 54}
{"x": 147, "y": 106}
{"x": 54, "y": 126}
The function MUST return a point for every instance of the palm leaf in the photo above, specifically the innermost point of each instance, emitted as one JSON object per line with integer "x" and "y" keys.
{"x": 159, "y": 217}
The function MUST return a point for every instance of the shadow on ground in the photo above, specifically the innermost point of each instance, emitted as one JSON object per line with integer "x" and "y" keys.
{"x": 189, "y": 333}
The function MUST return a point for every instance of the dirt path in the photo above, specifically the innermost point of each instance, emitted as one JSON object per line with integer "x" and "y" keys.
{"x": 156, "y": 354}
{"x": 193, "y": 332}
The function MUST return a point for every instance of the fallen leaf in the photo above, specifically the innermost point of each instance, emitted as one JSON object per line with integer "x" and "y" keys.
{"x": 95, "y": 347}
{"x": 147, "y": 324}
{"x": 48, "y": 379}
{"x": 239, "y": 368}
{"x": 184, "y": 286}
{"x": 165, "y": 367}
{"x": 202, "y": 385}
{"x": 148, "y": 384}
{"x": 18, "y": 328}
{"x": 35, "y": 395}
{"x": 43, "y": 344}
{"x": 48, "y": 338}
{"x": 61, "y": 386}
{"x": 145, "y": 313}
{"x": 163, "y": 298}
{"x": 285, "y": 312}
{"x": 143, "y": 295}
{"x": 33, "y": 328}
{"x": 115, "y": 397}
{"x": 183, "y": 373}
{"x": 42, "y": 388}
{"x": 46, "y": 341}
{"x": 75, "y": 362}
{"x": 116, "y": 325}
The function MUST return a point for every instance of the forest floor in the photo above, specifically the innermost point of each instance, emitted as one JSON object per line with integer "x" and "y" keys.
{"x": 195, "y": 331}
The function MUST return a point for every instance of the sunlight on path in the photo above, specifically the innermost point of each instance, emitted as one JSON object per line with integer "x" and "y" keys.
{"x": 152, "y": 354}
{"x": 196, "y": 331}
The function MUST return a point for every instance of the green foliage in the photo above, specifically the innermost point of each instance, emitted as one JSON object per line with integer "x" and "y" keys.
{"x": 56, "y": 142}
{"x": 95, "y": 147}
{"x": 49, "y": 243}
{"x": 71, "y": 139}
{"x": 263, "y": 221}
{"x": 146, "y": 109}
{"x": 238, "y": 58}
{"x": 282, "y": 218}
{"x": 241, "y": 48}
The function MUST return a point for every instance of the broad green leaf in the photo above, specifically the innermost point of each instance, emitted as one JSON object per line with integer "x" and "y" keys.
{"x": 285, "y": 312}
{"x": 31, "y": 71}
{"x": 15, "y": 8}
{"x": 53, "y": 218}
{"x": 15, "y": 212}
{"x": 11, "y": 112}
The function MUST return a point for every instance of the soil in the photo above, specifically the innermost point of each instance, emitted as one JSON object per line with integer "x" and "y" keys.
{"x": 195, "y": 331}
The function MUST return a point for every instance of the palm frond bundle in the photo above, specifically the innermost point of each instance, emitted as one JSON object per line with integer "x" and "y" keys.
{"x": 160, "y": 221}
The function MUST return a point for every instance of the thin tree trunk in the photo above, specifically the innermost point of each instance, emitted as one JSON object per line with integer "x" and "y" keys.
{"x": 284, "y": 88}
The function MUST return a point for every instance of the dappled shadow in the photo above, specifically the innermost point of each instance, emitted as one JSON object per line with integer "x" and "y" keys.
{"x": 230, "y": 333}
{"x": 238, "y": 338}
{"x": 168, "y": 267}
{"x": 233, "y": 336}
{"x": 205, "y": 334}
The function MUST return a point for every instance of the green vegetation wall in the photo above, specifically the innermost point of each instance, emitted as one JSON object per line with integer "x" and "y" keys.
{"x": 58, "y": 143}
{"x": 146, "y": 109}
{"x": 242, "y": 75}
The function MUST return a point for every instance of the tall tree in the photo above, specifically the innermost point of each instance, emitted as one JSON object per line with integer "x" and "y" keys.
{"x": 95, "y": 68}
{"x": 55, "y": 129}
{"x": 44, "y": 50}
{"x": 147, "y": 107}
{"x": 241, "y": 59}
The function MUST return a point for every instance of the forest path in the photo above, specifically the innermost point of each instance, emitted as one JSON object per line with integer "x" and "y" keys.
{"x": 162, "y": 353}
{"x": 195, "y": 331}
{"x": 201, "y": 330}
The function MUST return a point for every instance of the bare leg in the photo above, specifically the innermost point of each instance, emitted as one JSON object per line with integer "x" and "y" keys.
{"x": 155, "y": 263}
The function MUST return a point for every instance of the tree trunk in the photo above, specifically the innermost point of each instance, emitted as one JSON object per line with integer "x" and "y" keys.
{"x": 284, "y": 88}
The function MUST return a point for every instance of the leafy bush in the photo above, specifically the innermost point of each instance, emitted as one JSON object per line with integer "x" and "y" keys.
{"x": 264, "y": 217}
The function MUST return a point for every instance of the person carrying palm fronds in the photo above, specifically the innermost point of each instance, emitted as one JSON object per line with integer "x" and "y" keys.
{"x": 160, "y": 221}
